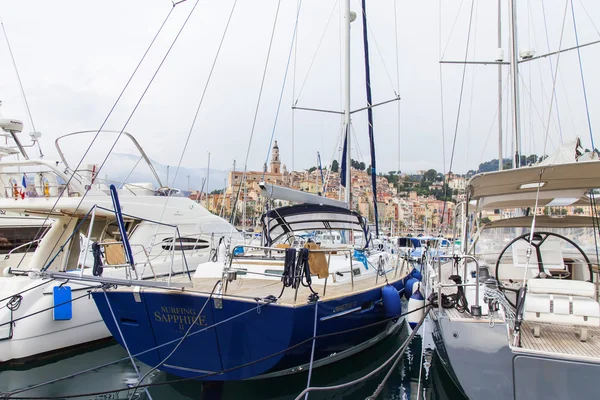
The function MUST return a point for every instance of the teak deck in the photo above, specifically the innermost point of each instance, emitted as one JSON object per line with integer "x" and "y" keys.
{"x": 560, "y": 340}
{"x": 249, "y": 287}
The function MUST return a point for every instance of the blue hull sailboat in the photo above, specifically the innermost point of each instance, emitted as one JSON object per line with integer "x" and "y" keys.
{"x": 255, "y": 313}
{"x": 300, "y": 300}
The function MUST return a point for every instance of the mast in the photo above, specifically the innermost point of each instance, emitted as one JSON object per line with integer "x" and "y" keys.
{"x": 207, "y": 178}
{"x": 514, "y": 83}
{"x": 500, "y": 58}
{"x": 370, "y": 116}
{"x": 348, "y": 192}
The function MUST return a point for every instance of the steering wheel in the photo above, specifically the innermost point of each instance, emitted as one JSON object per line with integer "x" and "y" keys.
{"x": 292, "y": 238}
{"x": 538, "y": 239}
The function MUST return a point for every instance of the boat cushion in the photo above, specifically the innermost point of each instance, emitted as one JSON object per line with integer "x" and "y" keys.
{"x": 317, "y": 261}
{"x": 561, "y": 286}
{"x": 561, "y": 301}
{"x": 114, "y": 254}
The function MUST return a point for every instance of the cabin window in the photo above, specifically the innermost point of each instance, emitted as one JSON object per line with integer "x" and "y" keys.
{"x": 13, "y": 237}
{"x": 184, "y": 244}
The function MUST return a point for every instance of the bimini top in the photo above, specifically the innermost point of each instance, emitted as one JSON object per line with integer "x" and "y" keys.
{"x": 309, "y": 217}
{"x": 544, "y": 222}
{"x": 559, "y": 185}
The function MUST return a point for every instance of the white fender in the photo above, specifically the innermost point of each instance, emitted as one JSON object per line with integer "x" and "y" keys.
{"x": 416, "y": 302}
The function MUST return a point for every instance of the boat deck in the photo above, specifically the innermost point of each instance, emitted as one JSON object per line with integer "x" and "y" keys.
{"x": 561, "y": 340}
{"x": 252, "y": 288}
{"x": 452, "y": 313}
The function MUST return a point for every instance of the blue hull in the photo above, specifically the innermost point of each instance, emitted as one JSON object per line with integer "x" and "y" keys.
{"x": 222, "y": 352}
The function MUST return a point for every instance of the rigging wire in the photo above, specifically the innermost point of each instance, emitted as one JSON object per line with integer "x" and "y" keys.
{"x": 589, "y": 17}
{"x": 102, "y": 126}
{"x": 587, "y": 109}
{"x": 442, "y": 54}
{"x": 562, "y": 31}
{"x": 534, "y": 108}
{"x": 10, "y": 395}
{"x": 462, "y": 86}
{"x": 315, "y": 55}
{"x": 262, "y": 83}
{"x": 494, "y": 122}
{"x": 294, "y": 85}
{"x": 471, "y": 95}
{"x": 397, "y": 78}
{"x": 187, "y": 332}
{"x": 551, "y": 69}
{"x": 200, "y": 102}
{"x": 382, "y": 59}
{"x": 442, "y": 101}
{"x": 14, "y": 63}
{"x": 287, "y": 65}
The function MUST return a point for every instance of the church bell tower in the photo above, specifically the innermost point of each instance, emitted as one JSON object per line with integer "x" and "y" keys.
{"x": 275, "y": 161}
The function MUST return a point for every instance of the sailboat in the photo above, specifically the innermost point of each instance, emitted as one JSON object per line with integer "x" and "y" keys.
{"x": 283, "y": 307}
{"x": 516, "y": 314}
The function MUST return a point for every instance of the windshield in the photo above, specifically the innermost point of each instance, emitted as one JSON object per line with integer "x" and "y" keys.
{"x": 493, "y": 240}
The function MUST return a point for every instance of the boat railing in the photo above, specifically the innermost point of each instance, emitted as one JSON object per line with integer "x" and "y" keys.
{"x": 126, "y": 258}
{"x": 14, "y": 250}
{"x": 475, "y": 309}
{"x": 39, "y": 178}
{"x": 239, "y": 253}
{"x": 145, "y": 263}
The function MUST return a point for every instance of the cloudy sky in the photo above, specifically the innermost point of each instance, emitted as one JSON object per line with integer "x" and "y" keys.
{"x": 75, "y": 57}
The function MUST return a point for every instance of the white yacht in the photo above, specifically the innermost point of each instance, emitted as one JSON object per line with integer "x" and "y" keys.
{"x": 519, "y": 316}
{"x": 167, "y": 234}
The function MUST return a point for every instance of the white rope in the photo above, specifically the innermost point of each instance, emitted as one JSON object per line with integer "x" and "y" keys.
{"x": 495, "y": 295}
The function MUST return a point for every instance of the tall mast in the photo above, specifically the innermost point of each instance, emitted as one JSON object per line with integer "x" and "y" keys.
{"x": 207, "y": 179}
{"x": 500, "y": 58}
{"x": 514, "y": 83}
{"x": 348, "y": 194}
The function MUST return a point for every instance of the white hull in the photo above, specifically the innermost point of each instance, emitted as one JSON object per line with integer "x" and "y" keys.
{"x": 40, "y": 333}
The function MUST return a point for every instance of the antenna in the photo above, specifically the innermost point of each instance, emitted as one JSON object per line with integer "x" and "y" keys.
{"x": 14, "y": 126}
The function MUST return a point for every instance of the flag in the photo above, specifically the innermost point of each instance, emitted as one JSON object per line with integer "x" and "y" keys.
{"x": 24, "y": 187}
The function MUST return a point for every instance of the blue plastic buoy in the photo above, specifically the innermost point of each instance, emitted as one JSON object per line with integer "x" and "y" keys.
{"x": 416, "y": 274}
{"x": 408, "y": 287}
{"x": 391, "y": 301}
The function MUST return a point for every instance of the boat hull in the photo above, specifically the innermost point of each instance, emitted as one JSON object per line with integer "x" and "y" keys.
{"x": 240, "y": 346}
{"x": 31, "y": 329}
{"x": 483, "y": 366}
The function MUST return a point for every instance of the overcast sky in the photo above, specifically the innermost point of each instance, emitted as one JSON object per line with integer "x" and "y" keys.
{"x": 75, "y": 57}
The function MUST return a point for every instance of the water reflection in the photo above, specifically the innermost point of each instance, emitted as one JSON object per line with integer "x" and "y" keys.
{"x": 419, "y": 375}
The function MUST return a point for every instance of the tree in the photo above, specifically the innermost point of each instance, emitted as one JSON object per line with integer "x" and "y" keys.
{"x": 368, "y": 170}
{"x": 311, "y": 169}
{"x": 362, "y": 166}
{"x": 335, "y": 166}
{"x": 430, "y": 175}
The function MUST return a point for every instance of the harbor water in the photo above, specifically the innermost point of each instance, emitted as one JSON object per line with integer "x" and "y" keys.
{"x": 419, "y": 375}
